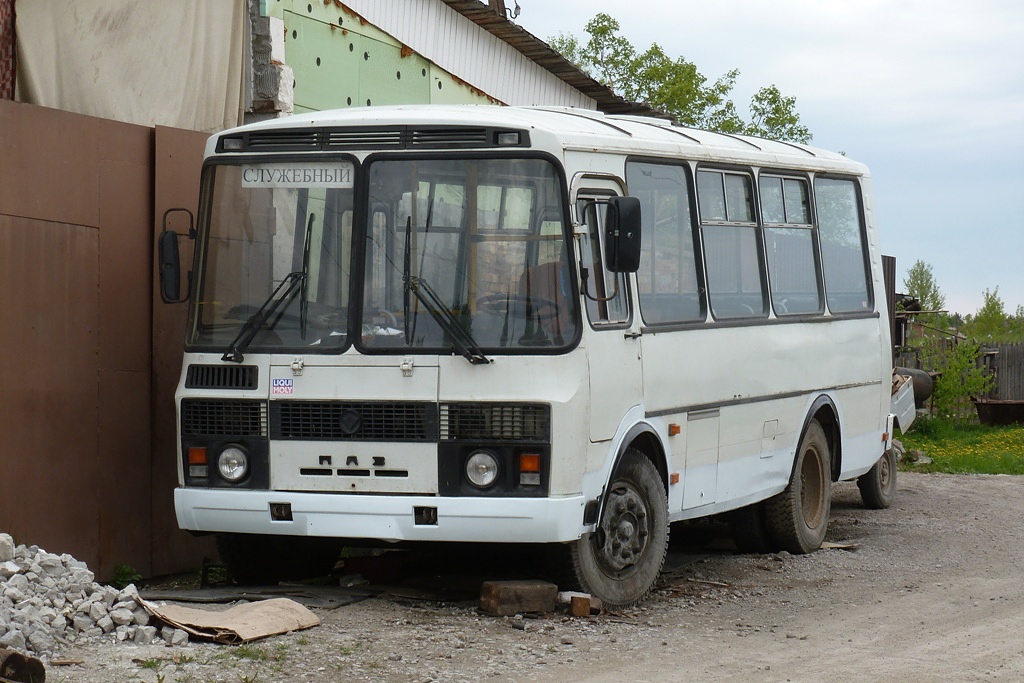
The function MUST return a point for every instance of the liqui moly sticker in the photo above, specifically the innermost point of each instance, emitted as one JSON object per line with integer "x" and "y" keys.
{"x": 283, "y": 386}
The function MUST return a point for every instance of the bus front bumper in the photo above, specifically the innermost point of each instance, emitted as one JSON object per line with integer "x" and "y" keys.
{"x": 387, "y": 518}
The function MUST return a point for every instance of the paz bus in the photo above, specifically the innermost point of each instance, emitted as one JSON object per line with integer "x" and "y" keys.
{"x": 525, "y": 325}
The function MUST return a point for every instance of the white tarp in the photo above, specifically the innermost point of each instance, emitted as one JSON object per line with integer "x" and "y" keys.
{"x": 150, "y": 62}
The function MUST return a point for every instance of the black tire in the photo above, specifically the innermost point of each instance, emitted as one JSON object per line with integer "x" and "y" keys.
{"x": 749, "y": 529}
{"x": 878, "y": 485}
{"x": 254, "y": 560}
{"x": 621, "y": 560}
{"x": 797, "y": 518}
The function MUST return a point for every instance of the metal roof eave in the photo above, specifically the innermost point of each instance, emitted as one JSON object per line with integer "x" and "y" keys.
{"x": 541, "y": 54}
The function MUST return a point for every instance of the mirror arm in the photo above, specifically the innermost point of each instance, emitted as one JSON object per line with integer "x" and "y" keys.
{"x": 584, "y": 280}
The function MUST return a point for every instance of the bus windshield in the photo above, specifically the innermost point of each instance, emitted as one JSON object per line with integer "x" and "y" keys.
{"x": 461, "y": 256}
{"x": 274, "y": 266}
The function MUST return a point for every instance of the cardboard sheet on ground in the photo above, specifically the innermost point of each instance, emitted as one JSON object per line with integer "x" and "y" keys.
{"x": 321, "y": 597}
{"x": 239, "y": 624}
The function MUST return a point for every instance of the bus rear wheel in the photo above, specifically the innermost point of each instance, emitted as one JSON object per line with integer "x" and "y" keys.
{"x": 797, "y": 518}
{"x": 878, "y": 485}
{"x": 620, "y": 561}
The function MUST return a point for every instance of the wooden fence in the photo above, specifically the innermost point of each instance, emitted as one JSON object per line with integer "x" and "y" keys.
{"x": 1006, "y": 361}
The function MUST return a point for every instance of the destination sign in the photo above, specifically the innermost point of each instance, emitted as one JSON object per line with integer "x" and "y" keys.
{"x": 333, "y": 174}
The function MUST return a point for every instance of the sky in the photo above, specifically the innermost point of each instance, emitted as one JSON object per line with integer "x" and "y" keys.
{"x": 928, "y": 93}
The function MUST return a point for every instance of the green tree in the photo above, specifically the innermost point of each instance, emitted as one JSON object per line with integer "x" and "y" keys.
{"x": 920, "y": 284}
{"x": 992, "y": 323}
{"x": 926, "y": 336}
{"x": 961, "y": 378}
{"x": 676, "y": 87}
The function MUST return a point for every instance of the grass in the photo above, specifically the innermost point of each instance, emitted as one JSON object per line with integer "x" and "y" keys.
{"x": 965, "y": 449}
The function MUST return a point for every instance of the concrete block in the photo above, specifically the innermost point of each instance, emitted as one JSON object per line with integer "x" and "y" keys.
{"x": 505, "y": 598}
{"x": 6, "y": 548}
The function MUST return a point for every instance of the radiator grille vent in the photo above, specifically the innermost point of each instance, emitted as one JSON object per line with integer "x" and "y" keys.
{"x": 221, "y": 377}
{"x": 271, "y": 141}
{"x": 449, "y": 137}
{"x": 213, "y": 417}
{"x": 363, "y": 139}
{"x": 353, "y": 421}
{"x": 495, "y": 422}
{"x": 370, "y": 138}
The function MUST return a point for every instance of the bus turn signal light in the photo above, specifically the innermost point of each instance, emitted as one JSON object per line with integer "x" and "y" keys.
{"x": 197, "y": 455}
{"x": 529, "y": 462}
{"x": 529, "y": 469}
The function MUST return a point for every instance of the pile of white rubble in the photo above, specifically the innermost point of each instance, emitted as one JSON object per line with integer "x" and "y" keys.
{"x": 49, "y": 601}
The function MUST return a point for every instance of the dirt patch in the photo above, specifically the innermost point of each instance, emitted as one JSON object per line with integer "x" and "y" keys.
{"x": 931, "y": 589}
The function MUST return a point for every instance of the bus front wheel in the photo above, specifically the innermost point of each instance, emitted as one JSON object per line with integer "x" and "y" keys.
{"x": 620, "y": 561}
{"x": 797, "y": 518}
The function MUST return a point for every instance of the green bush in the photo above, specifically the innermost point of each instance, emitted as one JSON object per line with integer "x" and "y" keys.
{"x": 962, "y": 378}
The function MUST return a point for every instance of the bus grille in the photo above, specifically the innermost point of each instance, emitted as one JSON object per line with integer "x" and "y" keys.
{"x": 215, "y": 417}
{"x": 353, "y": 421}
{"x": 495, "y": 422}
{"x": 221, "y": 377}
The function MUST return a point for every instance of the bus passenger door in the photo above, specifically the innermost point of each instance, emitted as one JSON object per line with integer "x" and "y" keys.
{"x": 613, "y": 351}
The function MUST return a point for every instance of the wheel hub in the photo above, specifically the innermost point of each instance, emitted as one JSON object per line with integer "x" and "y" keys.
{"x": 623, "y": 533}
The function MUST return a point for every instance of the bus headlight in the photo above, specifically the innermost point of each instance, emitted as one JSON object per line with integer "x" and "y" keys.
{"x": 482, "y": 469}
{"x": 233, "y": 464}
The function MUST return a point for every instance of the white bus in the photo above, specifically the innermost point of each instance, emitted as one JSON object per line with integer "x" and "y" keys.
{"x": 525, "y": 325}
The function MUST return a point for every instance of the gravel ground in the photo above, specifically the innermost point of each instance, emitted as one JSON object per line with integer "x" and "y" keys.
{"x": 933, "y": 589}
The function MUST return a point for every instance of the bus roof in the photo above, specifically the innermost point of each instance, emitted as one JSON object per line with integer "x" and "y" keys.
{"x": 578, "y": 130}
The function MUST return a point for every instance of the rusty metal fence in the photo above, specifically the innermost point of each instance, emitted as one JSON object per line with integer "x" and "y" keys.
{"x": 88, "y": 361}
{"x": 7, "y": 53}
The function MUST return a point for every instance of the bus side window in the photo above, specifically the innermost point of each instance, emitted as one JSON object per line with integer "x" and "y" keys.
{"x": 732, "y": 250}
{"x": 668, "y": 281}
{"x": 612, "y": 305}
{"x": 843, "y": 247}
{"x": 789, "y": 246}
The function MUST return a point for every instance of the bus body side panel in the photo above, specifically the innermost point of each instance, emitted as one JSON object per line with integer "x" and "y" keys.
{"x": 747, "y": 382}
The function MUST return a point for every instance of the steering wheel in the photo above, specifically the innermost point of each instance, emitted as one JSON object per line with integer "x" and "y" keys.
{"x": 498, "y": 304}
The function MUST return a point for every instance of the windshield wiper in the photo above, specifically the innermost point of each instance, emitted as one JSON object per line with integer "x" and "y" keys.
{"x": 462, "y": 339}
{"x": 304, "y": 301}
{"x": 291, "y": 284}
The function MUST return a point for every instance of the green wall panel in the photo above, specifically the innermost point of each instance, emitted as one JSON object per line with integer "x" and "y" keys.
{"x": 386, "y": 77}
{"x": 339, "y": 62}
{"x": 325, "y": 60}
{"x": 444, "y": 89}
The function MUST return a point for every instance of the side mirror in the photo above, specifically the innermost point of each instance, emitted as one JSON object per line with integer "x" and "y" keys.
{"x": 622, "y": 235}
{"x": 169, "y": 260}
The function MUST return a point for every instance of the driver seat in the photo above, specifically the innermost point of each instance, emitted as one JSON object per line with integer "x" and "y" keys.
{"x": 550, "y": 320}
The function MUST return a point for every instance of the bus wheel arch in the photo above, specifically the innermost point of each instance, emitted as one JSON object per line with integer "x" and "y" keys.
{"x": 824, "y": 411}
